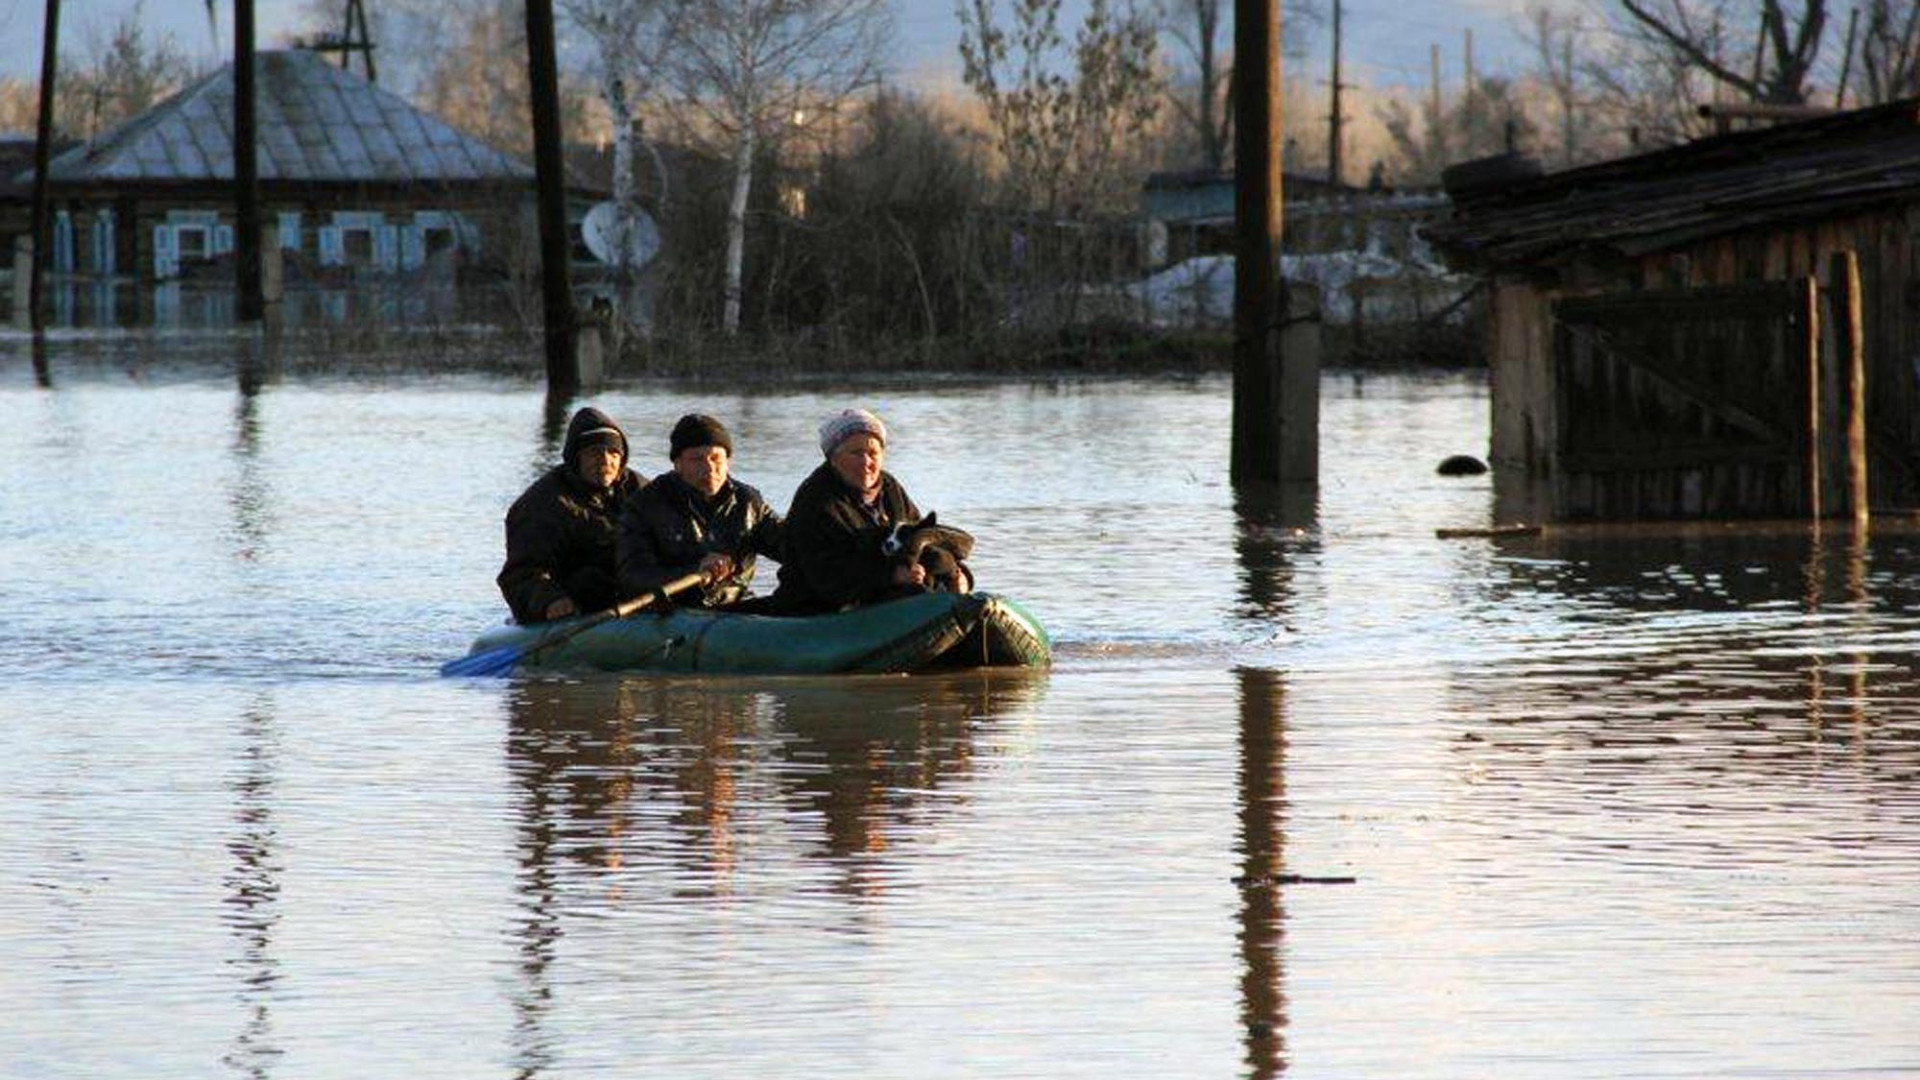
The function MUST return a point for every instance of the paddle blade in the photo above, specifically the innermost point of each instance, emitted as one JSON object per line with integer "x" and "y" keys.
{"x": 483, "y": 665}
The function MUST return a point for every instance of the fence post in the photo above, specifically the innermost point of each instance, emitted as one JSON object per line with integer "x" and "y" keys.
{"x": 1850, "y": 337}
{"x": 1808, "y": 289}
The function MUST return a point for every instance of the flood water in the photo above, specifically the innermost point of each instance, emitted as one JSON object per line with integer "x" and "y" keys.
{"x": 1309, "y": 790}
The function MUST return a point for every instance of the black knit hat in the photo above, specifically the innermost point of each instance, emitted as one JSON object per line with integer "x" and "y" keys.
{"x": 698, "y": 429}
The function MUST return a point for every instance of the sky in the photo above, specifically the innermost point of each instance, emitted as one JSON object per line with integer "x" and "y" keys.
{"x": 1387, "y": 41}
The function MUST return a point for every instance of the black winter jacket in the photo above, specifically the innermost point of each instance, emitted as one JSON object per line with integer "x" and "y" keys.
{"x": 561, "y": 535}
{"x": 666, "y": 528}
{"x": 833, "y": 558}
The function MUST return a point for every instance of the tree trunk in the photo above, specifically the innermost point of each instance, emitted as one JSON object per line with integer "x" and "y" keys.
{"x": 625, "y": 192}
{"x": 737, "y": 230}
{"x": 1211, "y": 143}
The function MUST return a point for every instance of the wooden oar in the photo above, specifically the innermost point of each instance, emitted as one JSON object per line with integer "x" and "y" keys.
{"x": 504, "y": 659}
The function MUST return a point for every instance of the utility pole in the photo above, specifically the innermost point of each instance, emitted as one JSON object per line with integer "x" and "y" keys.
{"x": 556, "y": 286}
{"x": 1259, "y": 293}
{"x": 1334, "y": 118}
{"x": 363, "y": 43}
{"x": 246, "y": 172}
{"x": 1436, "y": 133}
{"x": 42, "y": 153}
{"x": 1467, "y": 54}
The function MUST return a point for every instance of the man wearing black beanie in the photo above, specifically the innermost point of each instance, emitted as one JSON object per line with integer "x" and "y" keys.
{"x": 561, "y": 531}
{"x": 697, "y": 518}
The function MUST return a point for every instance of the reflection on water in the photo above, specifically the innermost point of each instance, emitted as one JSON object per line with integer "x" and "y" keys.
{"x": 1276, "y": 528}
{"x": 253, "y": 888}
{"x": 1613, "y": 801}
{"x": 639, "y": 792}
{"x": 96, "y": 303}
{"x": 654, "y": 773}
{"x": 1262, "y": 841}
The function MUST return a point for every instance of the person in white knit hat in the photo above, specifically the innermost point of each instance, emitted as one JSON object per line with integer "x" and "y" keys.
{"x": 837, "y": 519}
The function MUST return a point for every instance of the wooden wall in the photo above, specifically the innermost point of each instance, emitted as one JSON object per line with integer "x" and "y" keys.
{"x": 1525, "y": 434}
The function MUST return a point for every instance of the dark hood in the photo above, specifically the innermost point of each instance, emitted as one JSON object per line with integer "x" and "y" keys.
{"x": 590, "y": 419}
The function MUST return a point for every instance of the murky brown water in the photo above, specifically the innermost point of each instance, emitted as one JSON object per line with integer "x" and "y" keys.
{"x": 1613, "y": 803}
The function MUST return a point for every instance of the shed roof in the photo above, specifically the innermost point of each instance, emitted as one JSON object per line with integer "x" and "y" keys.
{"x": 317, "y": 123}
{"x": 1658, "y": 201}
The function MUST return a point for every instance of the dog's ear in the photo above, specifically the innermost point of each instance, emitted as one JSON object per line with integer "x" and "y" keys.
{"x": 932, "y": 519}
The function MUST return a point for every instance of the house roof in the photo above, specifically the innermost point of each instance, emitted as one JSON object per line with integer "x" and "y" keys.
{"x": 317, "y": 123}
{"x": 1658, "y": 201}
{"x": 16, "y": 154}
{"x": 1201, "y": 179}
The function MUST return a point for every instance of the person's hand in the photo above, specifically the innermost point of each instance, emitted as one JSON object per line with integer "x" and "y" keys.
{"x": 716, "y": 567}
{"x": 910, "y": 574}
{"x": 561, "y": 608}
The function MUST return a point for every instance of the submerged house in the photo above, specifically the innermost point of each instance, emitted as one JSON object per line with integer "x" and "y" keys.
{"x": 1193, "y": 213}
{"x": 1666, "y": 332}
{"x": 356, "y": 180}
{"x": 1360, "y": 249}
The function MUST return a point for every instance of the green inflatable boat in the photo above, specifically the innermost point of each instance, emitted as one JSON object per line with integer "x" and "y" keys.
{"x": 934, "y": 632}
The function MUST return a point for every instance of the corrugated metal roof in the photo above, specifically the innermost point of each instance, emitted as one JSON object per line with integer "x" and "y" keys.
{"x": 1654, "y": 202}
{"x": 317, "y": 123}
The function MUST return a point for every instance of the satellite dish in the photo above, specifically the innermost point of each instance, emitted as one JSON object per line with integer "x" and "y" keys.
{"x": 601, "y": 230}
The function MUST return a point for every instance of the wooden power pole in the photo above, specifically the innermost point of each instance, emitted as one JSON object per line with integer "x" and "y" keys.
{"x": 42, "y": 154}
{"x": 246, "y": 171}
{"x": 1259, "y": 293}
{"x": 556, "y": 286}
{"x": 1334, "y": 169}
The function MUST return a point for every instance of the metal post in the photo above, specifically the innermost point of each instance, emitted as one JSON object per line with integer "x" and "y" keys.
{"x": 1259, "y": 300}
{"x": 563, "y": 366}
{"x": 42, "y": 153}
{"x": 246, "y": 173}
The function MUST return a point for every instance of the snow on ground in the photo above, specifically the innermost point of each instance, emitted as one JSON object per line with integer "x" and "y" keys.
{"x": 1199, "y": 291}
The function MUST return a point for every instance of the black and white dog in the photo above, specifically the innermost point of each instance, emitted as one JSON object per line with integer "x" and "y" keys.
{"x": 942, "y": 550}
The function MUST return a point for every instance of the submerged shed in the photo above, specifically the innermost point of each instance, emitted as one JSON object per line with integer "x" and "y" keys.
{"x": 1661, "y": 340}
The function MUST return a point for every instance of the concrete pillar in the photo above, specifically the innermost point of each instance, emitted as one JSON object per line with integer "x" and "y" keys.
{"x": 1299, "y": 381}
{"x": 272, "y": 262}
{"x": 590, "y": 348}
{"x": 23, "y": 282}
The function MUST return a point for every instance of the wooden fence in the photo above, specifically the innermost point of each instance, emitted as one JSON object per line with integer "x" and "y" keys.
{"x": 1722, "y": 402}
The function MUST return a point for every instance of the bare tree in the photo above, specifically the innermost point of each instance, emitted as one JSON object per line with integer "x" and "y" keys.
{"x": 629, "y": 39}
{"x": 1889, "y": 52}
{"x": 1202, "y": 87}
{"x": 749, "y": 72}
{"x": 125, "y": 74}
{"x": 1480, "y": 124}
{"x": 1646, "y": 97}
{"x": 122, "y": 74}
{"x": 1561, "y": 66}
{"x": 1196, "y": 25}
{"x": 1695, "y": 32}
{"x": 1062, "y": 137}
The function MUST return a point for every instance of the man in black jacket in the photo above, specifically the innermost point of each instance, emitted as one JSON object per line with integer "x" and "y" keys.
{"x": 838, "y": 518}
{"x": 561, "y": 531}
{"x": 697, "y": 518}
